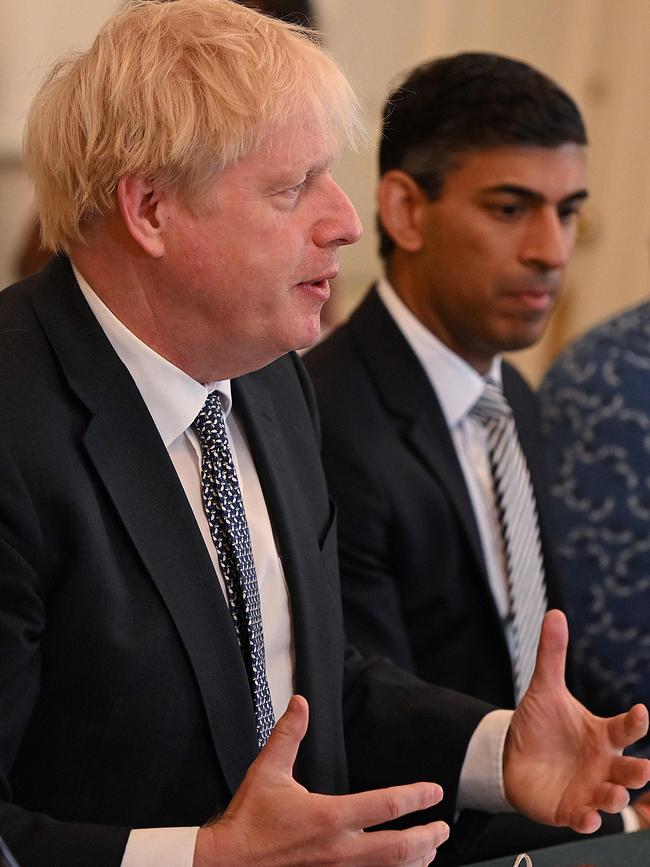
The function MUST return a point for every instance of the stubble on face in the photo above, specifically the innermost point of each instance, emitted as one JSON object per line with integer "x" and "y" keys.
{"x": 495, "y": 245}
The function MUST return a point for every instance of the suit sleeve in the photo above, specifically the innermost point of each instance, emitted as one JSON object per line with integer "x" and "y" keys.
{"x": 37, "y": 840}
{"x": 421, "y": 732}
{"x": 367, "y": 553}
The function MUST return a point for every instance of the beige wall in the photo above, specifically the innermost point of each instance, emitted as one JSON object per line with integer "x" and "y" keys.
{"x": 598, "y": 49}
{"x": 32, "y": 34}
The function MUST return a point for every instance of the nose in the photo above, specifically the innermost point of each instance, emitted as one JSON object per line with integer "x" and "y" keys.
{"x": 339, "y": 223}
{"x": 549, "y": 240}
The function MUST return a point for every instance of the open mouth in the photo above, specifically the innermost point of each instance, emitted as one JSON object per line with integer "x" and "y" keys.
{"x": 319, "y": 289}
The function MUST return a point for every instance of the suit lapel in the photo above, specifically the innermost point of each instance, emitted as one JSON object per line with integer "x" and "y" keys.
{"x": 408, "y": 395}
{"x": 287, "y": 478}
{"x": 131, "y": 459}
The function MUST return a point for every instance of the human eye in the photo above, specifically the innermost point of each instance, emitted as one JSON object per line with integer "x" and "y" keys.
{"x": 567, "y": 211}
{"x": 284, "y": 193}
{"x": 507, "y": 209}
{"x": 294, "y": 190}
{"x": 289, "y": 193}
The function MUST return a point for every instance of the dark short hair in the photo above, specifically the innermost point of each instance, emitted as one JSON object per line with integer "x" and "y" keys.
{"x": 468, "y": 102}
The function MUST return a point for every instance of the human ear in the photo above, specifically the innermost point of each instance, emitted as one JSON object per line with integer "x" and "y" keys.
{"x": 139, "y": 202}
{"x": 400, "y": 201}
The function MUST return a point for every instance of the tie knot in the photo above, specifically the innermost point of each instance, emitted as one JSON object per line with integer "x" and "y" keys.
{"x": 491, "y": 405}
{"x": 209, "y": 423}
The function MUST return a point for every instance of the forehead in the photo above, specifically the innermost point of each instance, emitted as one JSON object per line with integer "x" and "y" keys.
{"x": 553, "y": 172}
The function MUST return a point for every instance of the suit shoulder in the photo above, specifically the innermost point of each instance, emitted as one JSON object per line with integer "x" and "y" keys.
{"x": 23, "y": 350}
{"x": 330, "y": 356}
{"x": 18, "y": 318}
{"x": 516, "y": 386}
{"x": 283, "y": 378}
{"x": 286, "y": 382}
{"x": 629, "y": 330}
{"x": 336, "y": 370}
{"x": 613, "y": 352}
{"x": 15, "y": 306}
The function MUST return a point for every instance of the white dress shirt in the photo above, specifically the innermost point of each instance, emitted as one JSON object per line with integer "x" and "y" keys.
{"x": 174, "y": 400}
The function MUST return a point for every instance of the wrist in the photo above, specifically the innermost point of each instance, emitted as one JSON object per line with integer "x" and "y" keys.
{"x": 204, "y": 850}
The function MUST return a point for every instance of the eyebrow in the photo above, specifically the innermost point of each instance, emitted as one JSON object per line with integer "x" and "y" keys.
{"x": 532, "y": 195}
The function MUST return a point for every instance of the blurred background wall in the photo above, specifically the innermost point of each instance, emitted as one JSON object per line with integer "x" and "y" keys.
{"x": 598, "y": 50}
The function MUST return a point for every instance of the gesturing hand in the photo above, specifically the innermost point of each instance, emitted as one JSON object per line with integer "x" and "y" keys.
{"x": 272, "y": 820}
{"x": 561, "y": 763}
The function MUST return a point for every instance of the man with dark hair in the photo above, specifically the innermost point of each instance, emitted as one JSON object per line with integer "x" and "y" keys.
{"x": 430, "y": 439}
{"x": 482, "y": 176}
{"x": 448, "y": 108}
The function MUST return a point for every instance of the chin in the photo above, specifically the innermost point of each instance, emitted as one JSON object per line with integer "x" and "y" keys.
{"x": 523, "y": 338}
{"x": 307, "y": 336}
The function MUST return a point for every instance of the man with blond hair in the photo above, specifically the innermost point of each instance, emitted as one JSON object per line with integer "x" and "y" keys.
{"x": 167, "y": 546}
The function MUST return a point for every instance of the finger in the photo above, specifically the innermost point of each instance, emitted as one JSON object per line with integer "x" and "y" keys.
{"x": 414, "y": 845}
{"x": 280, "y": 752}
{"x": 611, "y": 798}
{"x": 626, "y": 728}
{"x": 366, "y": 809}
{"x": 552, "y": 649}
{"x": 585, "y": 820}
{"x": 630, "y": 772}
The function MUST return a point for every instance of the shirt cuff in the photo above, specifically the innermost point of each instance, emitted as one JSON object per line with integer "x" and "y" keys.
{"x": 631, "y": 821}
{"x": 481, "y": 778}
{"x": 160, "y": 847}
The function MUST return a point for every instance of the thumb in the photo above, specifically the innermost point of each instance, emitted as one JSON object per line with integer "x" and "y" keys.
{"x": 279, "y": 753}
{"x": 551, "y": 653}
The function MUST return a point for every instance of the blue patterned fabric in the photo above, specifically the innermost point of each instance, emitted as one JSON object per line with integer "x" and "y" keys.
{"x": 596, "y": 410}
{"x": 224, "y": 510}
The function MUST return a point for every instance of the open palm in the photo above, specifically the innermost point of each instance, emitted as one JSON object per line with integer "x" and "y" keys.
{"x": 561, "y": 763}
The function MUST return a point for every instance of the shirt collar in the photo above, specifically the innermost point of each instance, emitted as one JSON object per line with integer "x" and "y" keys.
{"x": 456, "y": 383}
{"x": 172, "y": 397}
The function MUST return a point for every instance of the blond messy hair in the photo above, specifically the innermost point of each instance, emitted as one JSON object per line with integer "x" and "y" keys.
{"x": 174, "y": 92}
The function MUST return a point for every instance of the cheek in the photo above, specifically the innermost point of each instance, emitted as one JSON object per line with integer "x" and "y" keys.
{"x": 464, "y": 253}
{"x": 246, "y": 271}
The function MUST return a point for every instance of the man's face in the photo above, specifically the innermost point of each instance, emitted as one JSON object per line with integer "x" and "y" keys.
{"x": 245, "y": 280}
{"x": 494, "y": 247}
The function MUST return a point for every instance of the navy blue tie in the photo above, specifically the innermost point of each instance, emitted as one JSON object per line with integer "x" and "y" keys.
{"x": 224, "y": 510}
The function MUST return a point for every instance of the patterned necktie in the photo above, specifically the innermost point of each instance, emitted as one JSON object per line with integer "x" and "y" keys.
{"x": 519, "y": 527}
{"x": 224, "y": 509}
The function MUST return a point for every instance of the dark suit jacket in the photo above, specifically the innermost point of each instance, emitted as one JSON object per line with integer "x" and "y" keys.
{"x": 413, "y": 576}
{"x": 123, "y": 698}
{"x": 414, "y": 581}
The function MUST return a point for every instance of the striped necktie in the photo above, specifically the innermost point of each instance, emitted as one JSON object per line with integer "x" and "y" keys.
{"x": 517, "y": 514}
{"x": 224, "y": 510}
